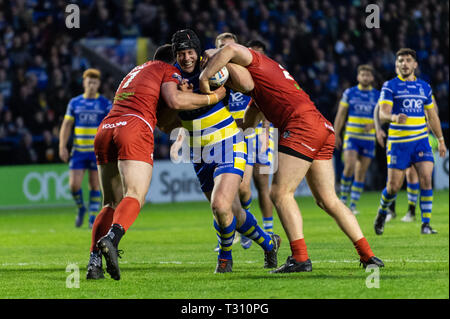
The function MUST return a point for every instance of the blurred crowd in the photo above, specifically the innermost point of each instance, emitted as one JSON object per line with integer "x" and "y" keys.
{"x": 321, "y": 43}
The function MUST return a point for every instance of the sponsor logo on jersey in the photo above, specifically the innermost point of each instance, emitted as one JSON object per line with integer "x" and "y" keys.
{"x": 113, "y": 125}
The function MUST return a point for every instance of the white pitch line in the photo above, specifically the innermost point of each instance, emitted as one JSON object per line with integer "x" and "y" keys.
{"x": 24, "y": 264}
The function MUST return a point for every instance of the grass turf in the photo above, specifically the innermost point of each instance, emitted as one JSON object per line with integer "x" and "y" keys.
{"x": 169, "y": 254}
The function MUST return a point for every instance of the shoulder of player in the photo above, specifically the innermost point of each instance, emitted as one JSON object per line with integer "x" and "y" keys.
{"x": 76, "y": 99}
{"x": 423, "y": 83}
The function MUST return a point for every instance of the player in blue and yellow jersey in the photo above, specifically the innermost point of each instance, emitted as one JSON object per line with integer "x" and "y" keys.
{"x": 83, "y": 116}
{"x": 358, "y": 102}
{"x": 218, "y": 152}
{"x": 405, "y": 101}
{"x": 258, "y": 152}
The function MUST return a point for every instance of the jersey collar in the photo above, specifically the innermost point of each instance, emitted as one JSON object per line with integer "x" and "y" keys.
{"x": 402, "y": 79}
{"x": 96, "y": 95}
{"x": 361, "y": 88}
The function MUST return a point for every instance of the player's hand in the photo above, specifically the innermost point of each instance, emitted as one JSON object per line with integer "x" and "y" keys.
{"x": 175, "y": 148}
{"x": 399, "y": 118}
{"x": 64, "y": 154}
{"x": 338, "y": 142}
{"x": 185, "y": 86}
{"x": 369, "y": 127}
{"x": 264, "y": 140}
{"x": 442, "y": 148}
{"x": 207, "y": 54}
{"x": 381, "y": 135}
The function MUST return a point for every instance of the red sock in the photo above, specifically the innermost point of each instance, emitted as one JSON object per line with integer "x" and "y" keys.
{"x": 363, "y": 249}
{"x": 299, "y": 251}
{"x": 102, "y": 223}
{"x": 126, "y": 212}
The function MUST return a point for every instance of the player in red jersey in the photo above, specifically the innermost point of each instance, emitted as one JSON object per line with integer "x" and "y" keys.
{"x": 306, "y": 147}
{"x": 124, "y": 150}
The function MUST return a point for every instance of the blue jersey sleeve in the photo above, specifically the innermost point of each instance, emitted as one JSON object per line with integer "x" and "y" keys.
{"x": 70, "y": 112}
{"x": 387, "y": 93}
{"x": 344, "y": 99}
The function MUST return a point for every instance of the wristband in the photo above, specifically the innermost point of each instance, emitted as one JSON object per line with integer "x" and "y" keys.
{"x": 212, "y": 98}
{"x": 441, "y": 138}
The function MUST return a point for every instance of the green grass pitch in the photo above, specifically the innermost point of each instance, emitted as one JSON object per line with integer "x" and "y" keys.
{"x": 168, "y": 253}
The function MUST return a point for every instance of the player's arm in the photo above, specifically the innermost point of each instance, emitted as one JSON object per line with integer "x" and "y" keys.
{"x": 231, "y": 52}
{"x": 379, "y": 132}
{"x": 180, "y": 100}
{"x": 252, "y": 117}
{"x": 435, "y": 125}
{"x": 387, "y": 116}
{"x": 64, "y": 134}
{"x": 339, "y": 122}
{"x": 240, "y": 79}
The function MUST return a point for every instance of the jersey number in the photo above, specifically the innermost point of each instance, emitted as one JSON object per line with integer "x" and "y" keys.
{"x": 286, "y": 73}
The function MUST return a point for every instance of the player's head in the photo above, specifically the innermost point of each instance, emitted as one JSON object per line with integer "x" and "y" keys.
{"x": 365, "y": 74}
{"x": 405, "y": 62}
{"x": 164, "y": 53}
{"x": 186, "y": 49}
{"x": 257, "y": 46}
{"x": 91, "y": 81}
{"x": 225, "y": 38}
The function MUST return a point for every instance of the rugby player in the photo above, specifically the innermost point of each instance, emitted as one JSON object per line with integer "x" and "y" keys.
{"x": 412, "y": 178}
{"x": 405, "y": 101}
{"x": 223, "y": 159}
{"x": 358, "y": 103}
{"x": 84, "y": 114}
{"x": 258, "y": 152}
{"x": 124, "y": 151}
{"x": 306, "y": 145}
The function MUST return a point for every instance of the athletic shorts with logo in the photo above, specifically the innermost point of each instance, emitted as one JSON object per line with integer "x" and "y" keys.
{"x": 308, "y": 136}
{"x": 403, "y": 155}
{"x": 124, "y": 137}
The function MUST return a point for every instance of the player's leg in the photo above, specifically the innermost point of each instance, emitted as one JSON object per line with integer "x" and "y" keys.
{"x": 135, "y": 177}
{"x": 247, "y": 225}
{"x": 265, "y": 204}
{"x": 320, "y": 179}
{"x": 394, "y": 183}
{"x": 350, "y": 160}
{"x": 425, "y": 171}
{"x": 362, "y": 164}
{"x": 291, "y": 171}
{"x": 245, "y": 197}
{"x": 95, "y": 195}
{"x": 111, "y": 186}
{"x": 75, "y": 182}
{"x": 413, "y": 190}
{"x": 225, "y": 190}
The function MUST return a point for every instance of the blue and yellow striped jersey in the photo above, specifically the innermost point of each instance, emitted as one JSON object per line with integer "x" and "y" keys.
{"x": 210, "y": 124}
{"x": 361, "y": 104}
{"x": 410, "y": 98}
{"x": 87, "y": 115}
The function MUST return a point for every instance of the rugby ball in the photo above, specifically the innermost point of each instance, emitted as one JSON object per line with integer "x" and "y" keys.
{"x": 219, "y": 78}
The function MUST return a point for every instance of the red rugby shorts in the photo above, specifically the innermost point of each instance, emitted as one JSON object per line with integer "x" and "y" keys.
{"x": 124, "y": 138}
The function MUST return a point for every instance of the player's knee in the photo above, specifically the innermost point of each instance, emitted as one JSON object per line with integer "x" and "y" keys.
{"x": 393, "y": 186}
{"x": 425, "y": 182}
{"x": 279, "y": 194}
{"x": 220, "y": 206}
{"x": 74, "y": 187}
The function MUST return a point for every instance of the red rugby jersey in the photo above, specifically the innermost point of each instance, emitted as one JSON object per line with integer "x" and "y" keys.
{"x": 276, "y": 92}
{"x": 139, "y": 91}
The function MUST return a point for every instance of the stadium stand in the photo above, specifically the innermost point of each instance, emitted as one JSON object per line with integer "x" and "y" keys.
{"x": 320, "y": 42}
